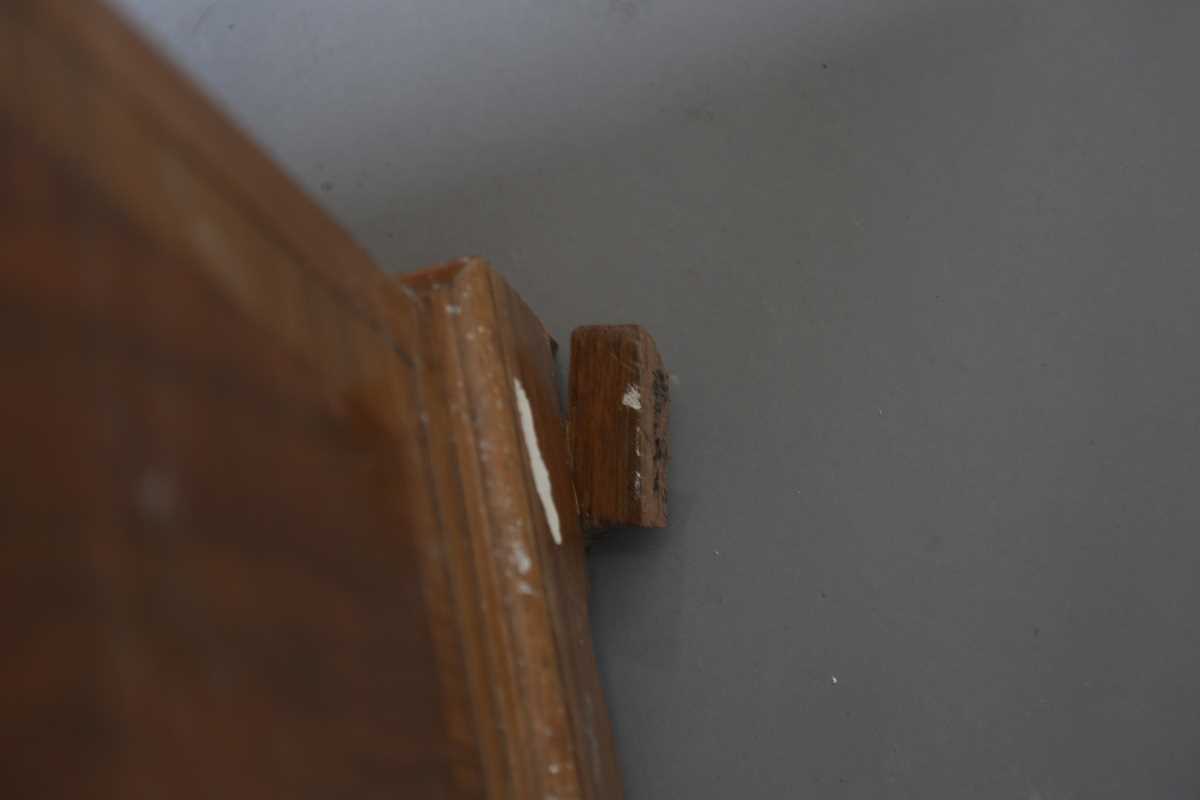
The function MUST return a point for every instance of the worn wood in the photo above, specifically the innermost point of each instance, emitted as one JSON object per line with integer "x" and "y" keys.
{"x": 619, "y": 401}
{"x": 260, "y": 504}
{"x": 535, "y": 674}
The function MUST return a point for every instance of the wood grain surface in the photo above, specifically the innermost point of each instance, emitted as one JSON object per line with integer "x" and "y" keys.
{"x": 533, "y": 671}
{"x": 210, "y": 516}
{"x": 260, "y": 504}
{"x": 620, "y": 402}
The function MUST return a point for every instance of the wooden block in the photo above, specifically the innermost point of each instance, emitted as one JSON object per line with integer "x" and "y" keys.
{"x": 619, "y": 401}
{"x": 273, "y": 522}
{"x": 212, "y": 497}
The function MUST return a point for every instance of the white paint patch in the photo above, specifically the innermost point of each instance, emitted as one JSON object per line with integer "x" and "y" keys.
{"x": 541, "y": 475}
{"x": 633, "y": 397}
{"x": 521, "y": 559}
{"x": 453, "y": 309}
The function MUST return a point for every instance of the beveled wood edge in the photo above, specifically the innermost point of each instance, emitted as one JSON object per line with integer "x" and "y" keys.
{"x": 477, "y": 352}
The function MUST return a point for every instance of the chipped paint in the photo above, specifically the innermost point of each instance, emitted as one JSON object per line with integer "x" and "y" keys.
{"x": 632, "y": 398}
{"x": 520, "y": 559}
{"x": 537, "y": 464}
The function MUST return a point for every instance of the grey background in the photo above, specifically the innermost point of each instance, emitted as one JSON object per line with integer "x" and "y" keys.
{"x": 927, "y": 275}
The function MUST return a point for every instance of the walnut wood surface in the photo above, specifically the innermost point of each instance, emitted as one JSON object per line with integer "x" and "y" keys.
{"x": 620, "y": 401}
{"x": 258, "y": 501}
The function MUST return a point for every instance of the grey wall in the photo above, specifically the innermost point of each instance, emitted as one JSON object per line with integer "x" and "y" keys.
{"x": 927, "y": 274}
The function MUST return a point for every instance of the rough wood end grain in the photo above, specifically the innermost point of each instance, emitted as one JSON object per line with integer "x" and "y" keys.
{"x": 619, "y": 399}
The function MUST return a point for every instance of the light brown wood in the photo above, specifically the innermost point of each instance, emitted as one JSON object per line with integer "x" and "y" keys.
{"x": 620, "y": 401}
{"x": 270, "y": 524}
